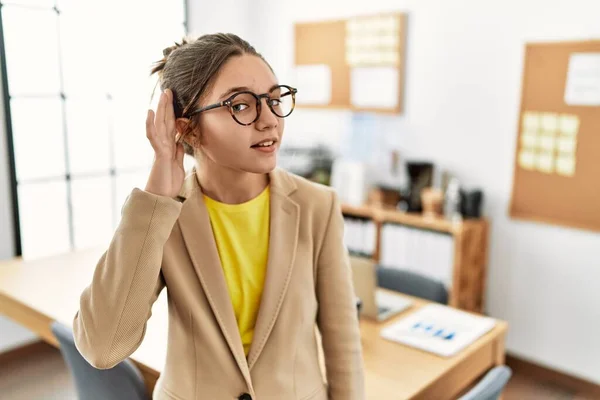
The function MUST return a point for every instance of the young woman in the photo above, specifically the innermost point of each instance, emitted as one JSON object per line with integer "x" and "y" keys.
{"x": 252, "y": 256}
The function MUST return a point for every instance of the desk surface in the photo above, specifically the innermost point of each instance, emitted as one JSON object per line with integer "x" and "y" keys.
{"x": 36, "y": 292}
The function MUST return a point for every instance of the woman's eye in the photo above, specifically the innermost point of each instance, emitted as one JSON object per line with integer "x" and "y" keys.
{"x": 275, "y": 102}
{"x": 239, "y": 107}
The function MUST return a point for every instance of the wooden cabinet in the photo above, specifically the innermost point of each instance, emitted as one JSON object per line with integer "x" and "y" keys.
{"x": 469, "y": 256}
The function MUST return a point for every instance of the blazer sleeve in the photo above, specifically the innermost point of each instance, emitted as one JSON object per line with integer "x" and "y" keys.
{"x": 337, "y": 317}
{"x": 113, "y": 310}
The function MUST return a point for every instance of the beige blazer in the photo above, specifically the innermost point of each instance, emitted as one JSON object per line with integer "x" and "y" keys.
{"x": 161, "y": 242}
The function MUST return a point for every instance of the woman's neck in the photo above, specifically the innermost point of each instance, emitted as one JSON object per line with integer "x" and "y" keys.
{"x": 229, "y": 186}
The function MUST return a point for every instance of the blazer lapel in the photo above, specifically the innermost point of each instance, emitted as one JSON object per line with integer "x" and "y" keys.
{"x": 283, "y": 237}
{"x": 196, "y": 230}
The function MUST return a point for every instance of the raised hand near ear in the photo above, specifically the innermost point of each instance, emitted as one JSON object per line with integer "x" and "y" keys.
{"x": 167, "y": 173}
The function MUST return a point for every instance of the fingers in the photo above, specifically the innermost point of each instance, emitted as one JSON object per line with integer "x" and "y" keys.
{"x": 160, "y": 110}
{"x": 166, "y": 103}
{"x": 150, "y": 129}
{"x": 160, "y": 127}
{"x": 170, "y": 114}
{"x": 180, "y": 154}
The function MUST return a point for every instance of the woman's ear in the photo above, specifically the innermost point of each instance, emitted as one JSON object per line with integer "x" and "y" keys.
{"x": 182, "y": 126}
{"x": 190, "y": 139}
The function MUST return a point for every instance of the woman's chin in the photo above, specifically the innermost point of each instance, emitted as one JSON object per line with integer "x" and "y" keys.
{"x": 263, "y": 166}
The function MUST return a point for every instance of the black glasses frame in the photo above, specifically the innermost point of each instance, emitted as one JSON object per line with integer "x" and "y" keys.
{"x": 229, "y": 103}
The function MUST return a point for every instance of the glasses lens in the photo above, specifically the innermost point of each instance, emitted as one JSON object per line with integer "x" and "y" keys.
{"x": 282, "y": 101}
{"x": 243, "y": 107}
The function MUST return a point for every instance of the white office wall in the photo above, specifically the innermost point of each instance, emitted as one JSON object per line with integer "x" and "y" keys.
{"x": 219, "y": 16}
{"x": 11, "y": 334}
{"x": 464, "y": 69}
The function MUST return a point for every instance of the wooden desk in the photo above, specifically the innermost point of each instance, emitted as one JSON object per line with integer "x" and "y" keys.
{"x": 395, "y": 371}
{"x": 34, "y": 293}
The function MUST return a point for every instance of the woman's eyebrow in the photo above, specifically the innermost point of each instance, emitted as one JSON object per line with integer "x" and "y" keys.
{"x": 233, "y": 90}
{"x": 242, "y": 89}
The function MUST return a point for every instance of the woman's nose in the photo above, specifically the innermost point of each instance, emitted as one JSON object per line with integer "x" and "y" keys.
{"x": 267, "y": 118}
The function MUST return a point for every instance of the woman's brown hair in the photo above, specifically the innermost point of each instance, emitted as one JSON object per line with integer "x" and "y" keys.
{"x": 189, "y": 69}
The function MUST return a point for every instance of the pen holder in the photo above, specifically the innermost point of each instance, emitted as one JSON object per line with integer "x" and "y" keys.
{"x": 432, "y": 201}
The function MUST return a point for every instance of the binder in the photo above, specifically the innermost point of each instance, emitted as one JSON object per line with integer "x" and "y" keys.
{"x": 421, "y": 251}
{"x": 360, "y": 236}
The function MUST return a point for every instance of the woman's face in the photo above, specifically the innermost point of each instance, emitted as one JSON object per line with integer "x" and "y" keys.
{"x": 224, "y": 141}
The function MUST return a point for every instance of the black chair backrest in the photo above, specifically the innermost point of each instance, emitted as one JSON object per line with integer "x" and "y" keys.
{"x": 122, "y": 382}
{"x": 411, "y": 283}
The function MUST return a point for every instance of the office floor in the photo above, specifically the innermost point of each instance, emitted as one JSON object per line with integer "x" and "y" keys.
{"x": 43, "y": 375}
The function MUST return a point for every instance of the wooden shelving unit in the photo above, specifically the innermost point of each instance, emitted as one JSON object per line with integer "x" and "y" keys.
{"x": 470, "y": 249}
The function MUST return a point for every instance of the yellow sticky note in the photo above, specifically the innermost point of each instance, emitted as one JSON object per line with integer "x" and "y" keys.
{"x": 353, "y": 26}
{"x": 549, "y": 122}
{"x": 350, "y": 39}
{"x": 394, "y": 23}
{"x": 351, "y": 58}
{"x": 527, "y": 159}
{"x": 567, "y": 145}
{"x": 529, "y": 140}
{"x": 569, "y": 124}
{"x": 565, "y": 165}
{"x": 544, "y": 162}
{"x": 546, "y": 143}
{"x": 390, "y": 57}
{"x": 531, "y": 121}
{"x": 375, "y": 57}
{"x": 388, "y": 40}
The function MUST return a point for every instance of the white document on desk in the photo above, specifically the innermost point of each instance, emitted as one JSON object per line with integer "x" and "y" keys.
{"x": 438, "y": 329}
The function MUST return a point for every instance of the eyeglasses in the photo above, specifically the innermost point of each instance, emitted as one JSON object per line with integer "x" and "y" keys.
{"x": 245, "y": 107}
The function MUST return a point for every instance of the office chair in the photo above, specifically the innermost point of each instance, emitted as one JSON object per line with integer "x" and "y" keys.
{"x": 411, "y": 283}
{"x": 491, "y": 385}
{"x": 122, "y": 382}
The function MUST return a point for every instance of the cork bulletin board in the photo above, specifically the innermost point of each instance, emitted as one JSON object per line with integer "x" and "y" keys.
{"x": 356, "y": 63}
{"x": 557, "y": 163}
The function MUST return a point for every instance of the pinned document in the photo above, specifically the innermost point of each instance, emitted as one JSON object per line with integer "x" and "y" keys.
{"x": 583, "y": 80}
{"x": 314, "y": 82}
{"x": 374, "y": 87}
